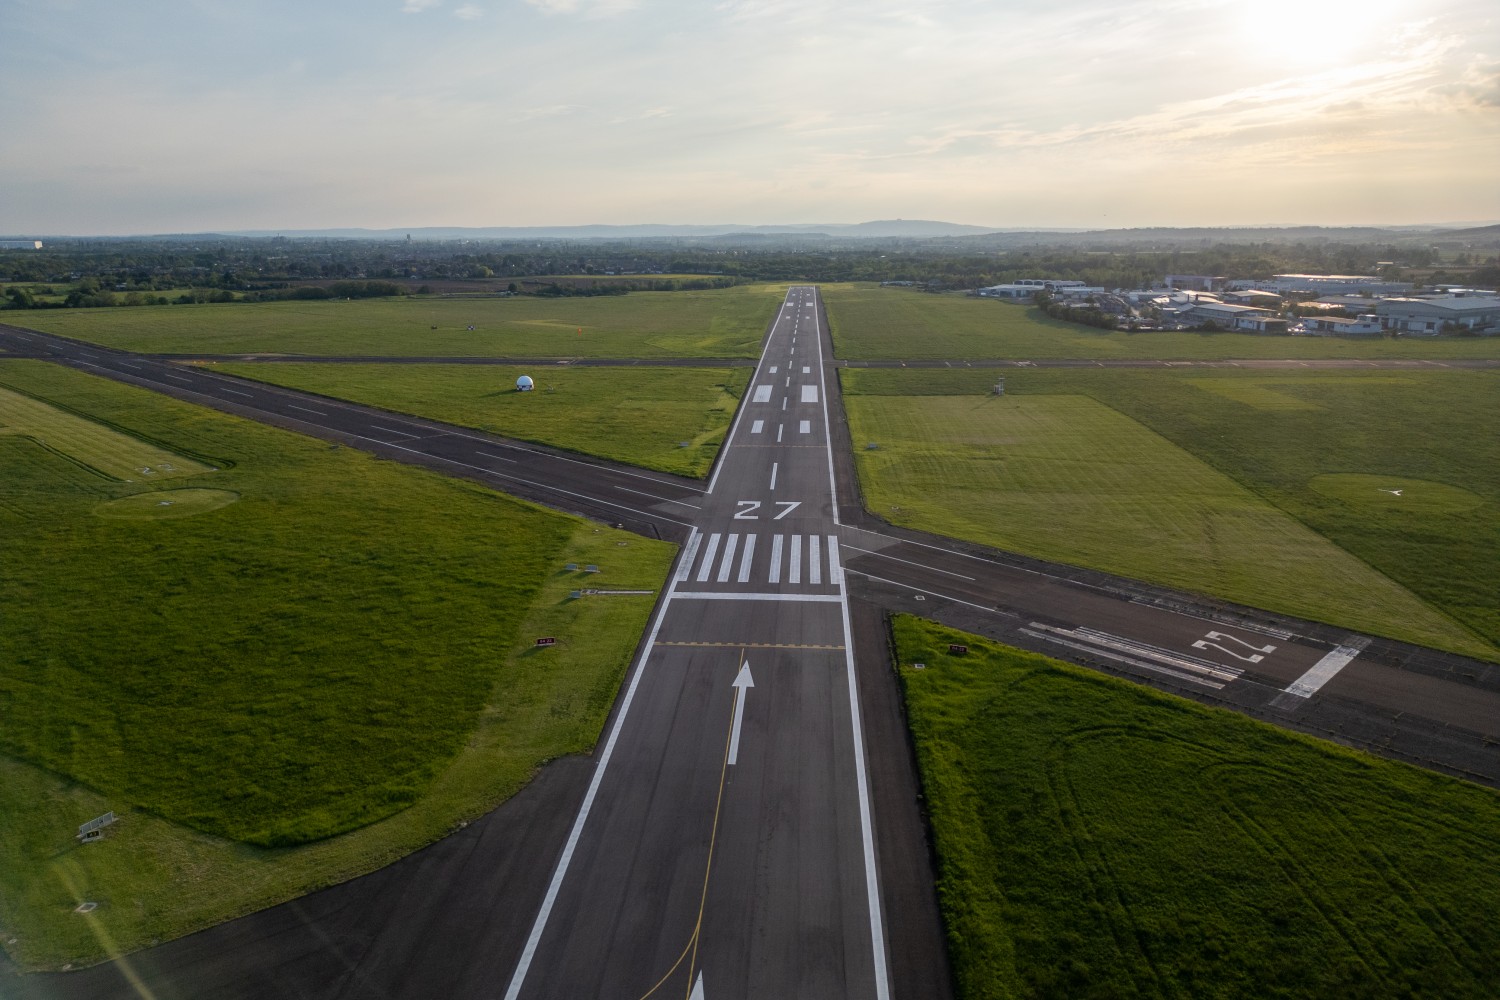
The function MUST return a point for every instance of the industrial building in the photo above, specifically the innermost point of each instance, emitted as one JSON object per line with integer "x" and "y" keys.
{"x": 1440, "y": 313}
{"x": 1340, "y": 326}
{"x": 1230, "y": 317}
{"x": 1332, "y": 284}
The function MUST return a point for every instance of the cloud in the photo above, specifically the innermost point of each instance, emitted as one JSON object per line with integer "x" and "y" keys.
{"x": 1478, "y": 88}
{"x": 585, "y": 8}
{"x": 469, "y": 12}
{"x": 417, "y": 6}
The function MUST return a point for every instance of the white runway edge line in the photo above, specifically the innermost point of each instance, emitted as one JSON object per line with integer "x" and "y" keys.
{"x": 1324, "y": 670}
{"x": 518, "y": 978}
{"x": 862, "y": 781}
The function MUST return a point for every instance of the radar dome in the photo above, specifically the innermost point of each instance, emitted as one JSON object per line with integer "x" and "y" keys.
{"x": 524, "y": 384}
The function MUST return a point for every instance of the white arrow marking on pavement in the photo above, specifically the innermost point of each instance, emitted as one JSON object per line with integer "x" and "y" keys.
{"x": 742, "y": 681}
{"x": 697, "y": 993}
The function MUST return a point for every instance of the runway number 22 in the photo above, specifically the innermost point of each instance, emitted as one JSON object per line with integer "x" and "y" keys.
{"x": 1255, "y": 657}
{"x": 749, "y": 507}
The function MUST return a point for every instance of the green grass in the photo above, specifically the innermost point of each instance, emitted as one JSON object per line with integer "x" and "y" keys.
{"x": 635, "y": 415}
{"x": 726, "y": 322}
{"x": 91, "y": 445}
{"x": 1097, "y": 839}
{"x": 871, "y": 322}
{"x": 340, "y": 662}
{"x": 1067, "y": 478}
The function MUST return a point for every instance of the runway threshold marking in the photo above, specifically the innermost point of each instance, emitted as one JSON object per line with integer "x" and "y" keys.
{"x": 750, "y": 645}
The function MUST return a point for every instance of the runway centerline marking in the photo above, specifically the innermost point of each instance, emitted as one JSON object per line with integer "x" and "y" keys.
{"x": 882, "y": 555}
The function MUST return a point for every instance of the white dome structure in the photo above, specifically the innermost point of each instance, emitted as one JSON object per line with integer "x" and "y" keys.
{"x": 524, "y": 384}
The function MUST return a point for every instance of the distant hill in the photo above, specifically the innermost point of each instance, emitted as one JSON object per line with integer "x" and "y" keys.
{"x": 887, "y": 229}
{"x": 1476, "y": 233}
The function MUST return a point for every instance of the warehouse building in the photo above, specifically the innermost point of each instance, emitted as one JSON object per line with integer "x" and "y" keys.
{"x": 1440, "y": 314}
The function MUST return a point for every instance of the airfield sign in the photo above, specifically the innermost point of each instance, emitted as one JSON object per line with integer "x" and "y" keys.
{"x": 94, "y": 828}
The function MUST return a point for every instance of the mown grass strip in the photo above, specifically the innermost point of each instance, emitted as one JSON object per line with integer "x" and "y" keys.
{"x": 1098, "y": 839}
{"x": 106, "y": 451}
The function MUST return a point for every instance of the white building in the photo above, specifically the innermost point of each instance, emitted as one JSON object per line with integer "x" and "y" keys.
{"x": 1432, "y": 316}
{"x": 1014, "y": 291}
{"x": 1227, "y": 317}
{"x": 1367, "y": 325}
{"x": 1331, "y": 284}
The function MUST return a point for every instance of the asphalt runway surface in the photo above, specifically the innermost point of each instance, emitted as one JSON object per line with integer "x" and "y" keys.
{"x": 750, "y": 824}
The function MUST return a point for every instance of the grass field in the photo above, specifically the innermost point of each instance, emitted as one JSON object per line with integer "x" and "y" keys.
{"x": 873, "y": 322}
{"x": 635, "y": 415}
{"x": 1097, "y": 839}
{"x": 1067, "y": 478}
{"x": 344, "y": 650}
{"x": 107, "y": 452}
{"x": 722, "y": 323}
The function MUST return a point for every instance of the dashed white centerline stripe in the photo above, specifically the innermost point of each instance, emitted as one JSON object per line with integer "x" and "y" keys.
{"x": 238, "y": 393}
{"x": 316, "y": 413}
{"x": 775, "y": 466}
{"x": 391, "y": 430}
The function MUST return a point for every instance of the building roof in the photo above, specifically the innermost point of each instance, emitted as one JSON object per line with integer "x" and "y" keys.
{"x": 1455, "y": 304}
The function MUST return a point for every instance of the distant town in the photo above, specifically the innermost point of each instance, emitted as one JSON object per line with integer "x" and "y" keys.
{"x": 1324, "y": 305}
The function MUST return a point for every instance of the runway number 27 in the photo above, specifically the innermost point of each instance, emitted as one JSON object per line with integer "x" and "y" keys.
{"x": 1260, "y": 651}
{"x": 749, "y": 507}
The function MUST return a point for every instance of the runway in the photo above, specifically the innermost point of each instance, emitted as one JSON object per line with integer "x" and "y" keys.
{"x": 750, "y": 824}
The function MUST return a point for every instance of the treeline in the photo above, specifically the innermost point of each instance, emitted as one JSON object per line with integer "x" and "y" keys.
{"x": 335, "y": 290}
{"x": 88, "y": 295}
{"x": 1086, "y": 315}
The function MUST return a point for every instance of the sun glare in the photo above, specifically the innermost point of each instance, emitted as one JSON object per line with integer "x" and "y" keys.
{"x": 1318, "y": 33}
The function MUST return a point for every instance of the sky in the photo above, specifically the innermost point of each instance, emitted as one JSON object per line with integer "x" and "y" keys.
{"x": 190, "y": 116}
